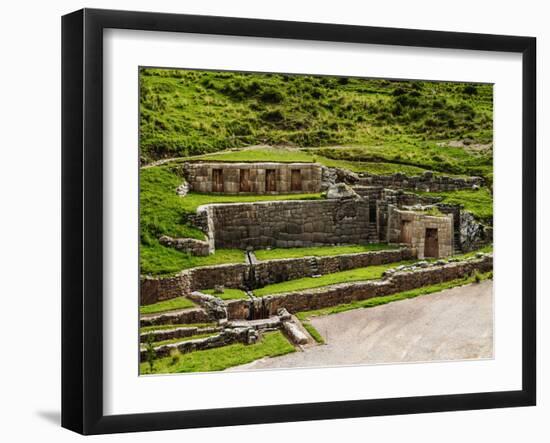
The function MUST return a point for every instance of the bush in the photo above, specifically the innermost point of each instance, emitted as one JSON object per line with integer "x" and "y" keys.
{"x": 175, "y": 355}
{"x": 470, "y": 90}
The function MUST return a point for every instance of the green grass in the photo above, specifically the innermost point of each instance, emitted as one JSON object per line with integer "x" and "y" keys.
{"x": 271, "y": 345}
{"x": 377, "y": 301}
{"x": 313, "y": 332}
{"x": 185, "y": 113}
{"x": 261, "y": 154}
{"x": 181, "y": 339}
{"x": 167, "y": 305}
{"x": 359, "y": 274}
{"x": 485, "y": 249}
{"x": 479, "y": 203}
{"x": 168, "y": 327}
{"x": 320, "y": 251}
{"x": 228, "y": 294}
{"x": 193, "y": 200}
{"x": 156, "y": 259}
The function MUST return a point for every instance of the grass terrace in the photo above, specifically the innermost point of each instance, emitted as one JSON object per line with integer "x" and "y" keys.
{"x": 176, "y": 326}
{"x": 167, "y": 305}
{"x": 156, "y": 259}
{"x": 320, "y": 251}
{"x": 306, "y": 155}
{"x": 304, "y": 316}
{"x": 193, "y": 200}
{"x": 228, "y": 294}
{"x": 359, "y": 274}
{"x": 179, "y": 340}
{"x": 478, "y": 202}
{"x": 163, "y": 212}
{"x": 272, "y": 344}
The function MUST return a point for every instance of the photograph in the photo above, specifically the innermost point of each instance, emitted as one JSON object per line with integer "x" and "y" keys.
{"x": 297, "y": 220}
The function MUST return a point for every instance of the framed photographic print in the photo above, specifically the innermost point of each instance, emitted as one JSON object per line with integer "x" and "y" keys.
{"x": 269, "y": 221}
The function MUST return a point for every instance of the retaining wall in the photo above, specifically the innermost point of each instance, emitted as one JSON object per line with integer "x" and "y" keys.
{"x": 427, "y": 182}
{"x": 287, "y": 224}
{"x": 349, "y": 292}
{"x": 243, "y": 275}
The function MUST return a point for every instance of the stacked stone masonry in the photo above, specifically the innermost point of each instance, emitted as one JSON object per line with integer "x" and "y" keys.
{"x": 288, "y": 224}
{"x": 253, "y": 178}
{"x": 350, "y": 292}
{"x": 247, "y": 276}
{"x": 428, "y": 182}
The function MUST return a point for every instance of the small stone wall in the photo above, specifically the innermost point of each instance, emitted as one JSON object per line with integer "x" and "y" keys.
{"x": 193, "y": 315}
{"x": 187, "y": 245}
{"x": 243, "y": 275}
{"x": 252, "y": 178}
{"x": 286, "y": 224}
{"x": 427, "y": 182}
{"x": 348, "y": 292}
{"x": 276, "y": 271}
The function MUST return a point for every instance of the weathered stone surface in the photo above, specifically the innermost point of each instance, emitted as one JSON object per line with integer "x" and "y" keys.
{"x": 294, "y": 333}
{"x": 168, "y": 334}
{"x": 426, "y": 182}
{"x": 290, "y": 223}
{"x": 214, "y": 306}
{"x": 187, "y": 245}
{"x": 195, "y": 315}
{"x": 341, "y": 190}
{"x": 263, "y": 273}
{"x": 419, "y": 224}
{"x": 233, "y": 177}
{"x": 226, "y": 337}
{"x": 348, "y": 292}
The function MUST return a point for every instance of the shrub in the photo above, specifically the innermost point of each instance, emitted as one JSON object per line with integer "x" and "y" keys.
{"x": 470, "y": 90}
{"x": 271, "y": 95}
{"x": 175, "y": 355}
{"x": 477, "y": 276}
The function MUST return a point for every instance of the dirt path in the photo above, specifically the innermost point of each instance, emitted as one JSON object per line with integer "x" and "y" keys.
{"x": 453, "y": 324}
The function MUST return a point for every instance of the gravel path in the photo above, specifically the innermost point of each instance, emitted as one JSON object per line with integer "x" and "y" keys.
{"x": 453, "y": 324}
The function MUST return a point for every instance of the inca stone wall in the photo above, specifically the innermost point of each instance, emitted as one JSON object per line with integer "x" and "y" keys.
{"x": 252, "y": 178}
{"x": 419, "y": 225}
{"x": 427, "y": 182}
{"x": 348, "y": 292}
{"x": 276, "y": 271}
{"x": 246, "y": 276}
{"x": 287, "y": 224}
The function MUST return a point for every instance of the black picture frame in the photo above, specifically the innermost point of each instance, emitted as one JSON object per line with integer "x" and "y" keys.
{"x": 82, "y": 219}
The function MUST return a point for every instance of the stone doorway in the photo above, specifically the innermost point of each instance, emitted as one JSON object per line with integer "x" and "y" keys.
{"x": 431, "y": 243}
{"x": 296, "y": 180}
{"x": 406, "y": 232}
{"x": 244, "y": 182}
{"x": 217, "y": 180}
{"x": 270, "y": 181}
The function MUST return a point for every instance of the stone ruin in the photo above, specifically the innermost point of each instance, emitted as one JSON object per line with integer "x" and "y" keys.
{"x": 357, "y": 210}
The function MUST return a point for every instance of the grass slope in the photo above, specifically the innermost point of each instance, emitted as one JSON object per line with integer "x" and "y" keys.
{"x": 359, "y": 274}
{"x": 272, "y": 344}
{"x": 167, "y": 305}
{"x": 479, "y": 202}
{"x": 319, "y": 251}
{"x": 186, "y": 112}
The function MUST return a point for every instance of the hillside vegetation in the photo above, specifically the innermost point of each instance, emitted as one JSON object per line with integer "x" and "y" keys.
{"x": 186, "y": 113}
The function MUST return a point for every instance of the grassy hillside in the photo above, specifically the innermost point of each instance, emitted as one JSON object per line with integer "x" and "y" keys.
{"x": 195, "y": 112}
